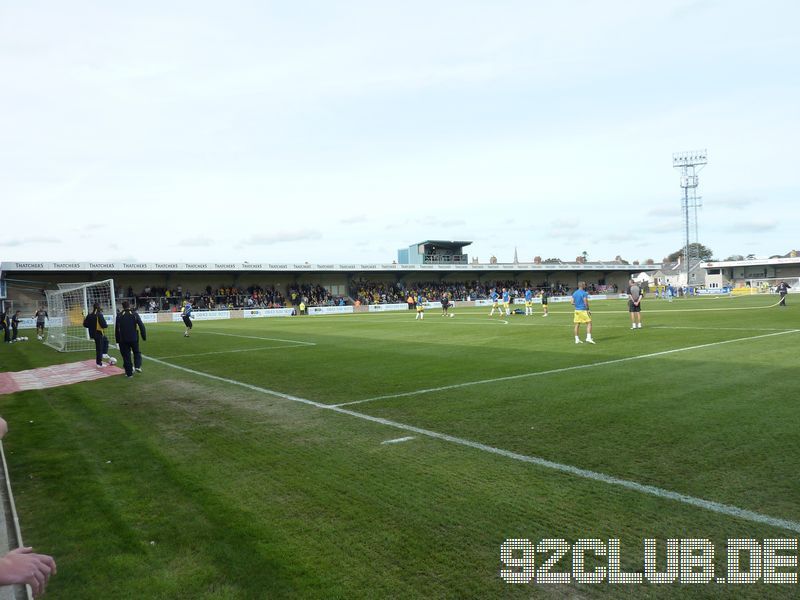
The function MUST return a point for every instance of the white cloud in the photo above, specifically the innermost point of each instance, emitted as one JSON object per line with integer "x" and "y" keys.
{"x": 733, "y": 202}
{"x": 354, "y": 220}
{"x": 663, "y": 211}
{"x": 198, "y": 241}
{"x": 757, "y": 225}
{"x": 663, "y": 226}
{"x": 279, "y": 237}
{"x": 30, "y": 241}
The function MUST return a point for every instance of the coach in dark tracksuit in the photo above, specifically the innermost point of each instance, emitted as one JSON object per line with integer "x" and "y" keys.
{"x": 126, "y": 332}
{"x": 95, "y": 322}
{"x": 4, "y": 325}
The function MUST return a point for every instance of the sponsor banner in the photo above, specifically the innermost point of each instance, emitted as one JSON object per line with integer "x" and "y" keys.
{"x": 256, "y": 313}
{"x": 149, "y": 317}
{"x": 485, "y": 302}
{"x": 204, "y": 315}
{"x": 329, "y": 310}
{"x": 30, "y": 322}
{"x": 385, "y": 307}
{"x": 431, "y": 305}
{"x": 713, "y": 292}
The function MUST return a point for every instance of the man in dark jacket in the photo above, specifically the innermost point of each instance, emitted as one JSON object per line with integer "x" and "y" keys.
{"x": 96, "y": 324}
{"x": 15, "y": 326}
{"x": 6, "y": 327}
{"x": 126, "y": 332}
{"x": 783, "y": 289}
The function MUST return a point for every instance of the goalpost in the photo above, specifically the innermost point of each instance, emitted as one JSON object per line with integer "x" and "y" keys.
{"x": 67, "y": 307}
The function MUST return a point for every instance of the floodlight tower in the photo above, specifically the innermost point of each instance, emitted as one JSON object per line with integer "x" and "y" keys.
{"x": 688, "y": 163}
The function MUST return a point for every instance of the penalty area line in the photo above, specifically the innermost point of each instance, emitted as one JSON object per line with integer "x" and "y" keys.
{"x": 650, "y": 490}
{"x": 281, "y": 347}
{"x": 680, "y": 310}
{"x": 398, "y": 440}
{"x": 255, "y": 337}
{"x": 603, "y": 363}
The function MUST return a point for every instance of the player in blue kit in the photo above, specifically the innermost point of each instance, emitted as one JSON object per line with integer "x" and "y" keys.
{"x": 507, "y": 301}
{"x": 528, "y": 301}
{"x": 580, "y": 299}
{"x": 495, "y": 298}
{"x": 420, "y": 307}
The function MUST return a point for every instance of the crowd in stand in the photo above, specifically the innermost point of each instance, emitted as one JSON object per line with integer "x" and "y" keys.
{"x": 363, "y": 291}
{"x": 378, "y": 292}
{"x": 154, "y": 299}
{"x": 312, "y": 295}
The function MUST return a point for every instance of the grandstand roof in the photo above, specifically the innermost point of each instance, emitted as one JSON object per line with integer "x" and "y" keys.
{"x": 296, "y": 267}
{"x": 444, "y": 242}
{"x": 755, "y": 262}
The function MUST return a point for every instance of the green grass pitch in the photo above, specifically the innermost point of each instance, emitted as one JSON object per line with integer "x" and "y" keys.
{"x": 175, "y": 484}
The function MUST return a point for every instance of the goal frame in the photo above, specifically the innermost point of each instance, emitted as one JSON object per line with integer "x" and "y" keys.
{"x": 68, "y": 305}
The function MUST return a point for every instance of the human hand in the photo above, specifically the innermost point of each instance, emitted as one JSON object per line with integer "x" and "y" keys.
{"x": 24, "y": 566}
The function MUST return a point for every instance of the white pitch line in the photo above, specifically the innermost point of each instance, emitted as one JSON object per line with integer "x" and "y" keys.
{"x": 625, "y": 325}
{"x": 254, "y": 337}
{"x": 398, "y": 440}
{"x": 561, "y": 370}
{"x": 717, "y": 507}
{"x": 787, "y": 329}
{"x": 238, "y": 350}
{"x": 680, "y": 310}
{"x": 469, "y": 318}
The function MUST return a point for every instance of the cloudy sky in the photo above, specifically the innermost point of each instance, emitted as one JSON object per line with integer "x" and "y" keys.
{"x": 342, "y": 131}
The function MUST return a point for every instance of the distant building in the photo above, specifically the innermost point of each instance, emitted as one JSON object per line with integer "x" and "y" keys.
{"x": 675, "y": 274}
{"x": 434, "y": 252}
{"x": 742, "y": 273}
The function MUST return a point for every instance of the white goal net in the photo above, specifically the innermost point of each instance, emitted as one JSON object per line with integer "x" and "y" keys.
{"x": 67, "y": 307}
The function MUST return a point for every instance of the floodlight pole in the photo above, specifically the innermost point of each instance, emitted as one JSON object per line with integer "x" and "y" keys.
{"x": 688, "y": 162}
